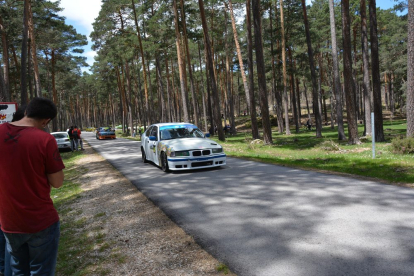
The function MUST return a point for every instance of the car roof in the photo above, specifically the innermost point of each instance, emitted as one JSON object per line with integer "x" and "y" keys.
{"x": 59, "y": 132}
{"x": 173, "y": 124}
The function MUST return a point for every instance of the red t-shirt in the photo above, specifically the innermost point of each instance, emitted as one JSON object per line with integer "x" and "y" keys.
{"x": 27, "y": 155}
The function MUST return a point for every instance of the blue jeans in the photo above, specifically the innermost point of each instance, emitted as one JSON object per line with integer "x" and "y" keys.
{"x": 34, "y": 254}
{"x": 4, "y": 256}
{"x": 76, "y": 144}
{"x": 72, "y": 144}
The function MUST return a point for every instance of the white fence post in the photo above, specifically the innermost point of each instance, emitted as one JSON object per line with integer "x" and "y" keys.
{"x": 373, "y": 135}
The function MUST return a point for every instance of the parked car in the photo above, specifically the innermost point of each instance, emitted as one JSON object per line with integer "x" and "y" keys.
{"x": 62, "y": 140}
{"x": 105, "y": 133}
{"x": 180, "y": 146}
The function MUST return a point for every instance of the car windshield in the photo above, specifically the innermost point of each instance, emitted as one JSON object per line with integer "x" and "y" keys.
{"x": 60, "y": 135}
{"x": 177, "y": 132}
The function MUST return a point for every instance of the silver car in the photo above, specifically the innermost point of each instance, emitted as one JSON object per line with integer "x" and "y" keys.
{"x": 62, "y": 140}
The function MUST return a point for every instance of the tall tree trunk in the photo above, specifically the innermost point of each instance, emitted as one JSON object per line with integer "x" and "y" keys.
{"x": 278, "y": 96}
{"x": 391, "y": 93}
{"x": 316, "y": 110}
{"x": 54, "y": 91}
{"x": 292, "y": 91}
{"x": 305, "y": 92}
{"x": 285, "y": 95}
{"x": 253, "y": 118}
{"x": 261, "y": 72}
{"x": 298, "y": 98}
{"x": 181, "y": 68}
{"x": 239, "y": 55}
{"x": 348, "y": 80}
{"x": 410, "y": 71}
{"x": 365, "y": 63}
{"x": 169, "y": 104}
{"x": 202, "y": 89}
{"x": 34, "y": 54}
{"x": 161, "y": 89}
{"x": 2, "y": 88}
{"x": 337, "y": 79}
{"x": 6, "y": 64}
{"x": 29, "y": 70}
{"x": 229, "y": 97}
{"x": 217, "y": 119}
{"x": 23, "y": 68}
{"x": 128, "y": 98}
{"x": 376, "y": 81}
{"x": 190, "y": 71}
{"x": 143, "y": 61}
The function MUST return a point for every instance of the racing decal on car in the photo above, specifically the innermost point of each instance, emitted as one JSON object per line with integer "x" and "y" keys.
{"x": 3, "y": 116}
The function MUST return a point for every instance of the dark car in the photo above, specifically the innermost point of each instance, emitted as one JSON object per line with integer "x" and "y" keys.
{"x": 105, "y": 133}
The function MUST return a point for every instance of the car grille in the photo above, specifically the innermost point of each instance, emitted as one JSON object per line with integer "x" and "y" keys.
{"x": 201, "y": 164}
{"x": 201, "y": 152}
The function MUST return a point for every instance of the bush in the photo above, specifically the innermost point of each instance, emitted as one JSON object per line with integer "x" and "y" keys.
{"x": 330, "y": 146}
{"x": 253, "y": 144}
{"x": 403, "y": 145}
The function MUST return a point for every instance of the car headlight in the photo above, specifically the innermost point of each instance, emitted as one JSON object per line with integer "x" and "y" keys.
{"x": 179, "y": 153}
{"x": 217, "y": 150}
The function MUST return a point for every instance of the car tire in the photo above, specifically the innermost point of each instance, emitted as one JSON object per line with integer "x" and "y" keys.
{"x": 144, "y": 156}
{"x": 164, "y": 162}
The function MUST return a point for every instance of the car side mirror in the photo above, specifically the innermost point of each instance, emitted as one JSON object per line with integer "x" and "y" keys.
{"x": 207, "y": 135}
{"x": 153, "y": 138}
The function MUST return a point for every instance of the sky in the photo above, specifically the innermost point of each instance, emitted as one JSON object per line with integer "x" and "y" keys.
{"x": 82, "y": 18}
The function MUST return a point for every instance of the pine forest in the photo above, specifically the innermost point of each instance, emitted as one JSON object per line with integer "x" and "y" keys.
{"x": 281, "y": 63}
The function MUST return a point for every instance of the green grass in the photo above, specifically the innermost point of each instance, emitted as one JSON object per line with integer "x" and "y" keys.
{"x": 304, "y": 150}
{"x": 222, "y": 268}
{"x": 78, "y": 242}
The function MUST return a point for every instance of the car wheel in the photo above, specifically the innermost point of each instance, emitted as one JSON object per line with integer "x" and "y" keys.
{"x": 97, "y": 138}
{"x": 144, "y": 156}
{"x": 164, "y": 162}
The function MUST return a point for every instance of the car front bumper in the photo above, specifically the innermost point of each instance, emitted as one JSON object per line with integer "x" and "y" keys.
{"x": 194, "y": 163}
{"x": 107, "y": 136}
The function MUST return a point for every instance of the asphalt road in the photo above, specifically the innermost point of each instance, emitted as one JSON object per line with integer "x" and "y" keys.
{"x": 262, "y": 219}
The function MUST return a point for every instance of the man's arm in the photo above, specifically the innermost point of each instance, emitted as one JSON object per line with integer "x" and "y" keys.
{"x": 56, "y": 179}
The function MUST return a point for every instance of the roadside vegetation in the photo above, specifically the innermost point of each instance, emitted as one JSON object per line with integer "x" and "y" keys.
{"x": 77, "y": 245}
{"x": 304, "y": 150}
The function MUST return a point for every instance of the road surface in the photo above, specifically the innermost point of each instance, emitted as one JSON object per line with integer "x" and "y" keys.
{"x": 264, "y": 220}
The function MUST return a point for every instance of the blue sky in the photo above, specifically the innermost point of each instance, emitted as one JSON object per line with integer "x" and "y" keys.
{"x": 83, "y": 18}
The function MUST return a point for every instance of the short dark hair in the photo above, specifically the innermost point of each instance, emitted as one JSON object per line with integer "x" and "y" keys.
{"x": 41, "y": 108}
{"x": 19, "y": 114}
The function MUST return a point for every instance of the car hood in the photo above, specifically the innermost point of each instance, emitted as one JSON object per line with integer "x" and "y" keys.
{"x": 190, "y": 143}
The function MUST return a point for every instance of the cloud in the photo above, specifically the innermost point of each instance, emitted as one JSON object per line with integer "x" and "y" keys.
{"x": 83, "y": 12}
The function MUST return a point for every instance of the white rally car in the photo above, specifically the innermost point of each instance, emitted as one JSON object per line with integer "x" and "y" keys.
{"x": 180, "y": 146}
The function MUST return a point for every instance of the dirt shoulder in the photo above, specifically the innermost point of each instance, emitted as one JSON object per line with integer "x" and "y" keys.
{"x": 147, "y": 242}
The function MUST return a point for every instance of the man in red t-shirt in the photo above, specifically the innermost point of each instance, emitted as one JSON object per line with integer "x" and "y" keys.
{"x": 30, "y": 165}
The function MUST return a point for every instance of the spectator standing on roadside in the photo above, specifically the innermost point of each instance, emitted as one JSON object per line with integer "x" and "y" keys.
{"x": 80, "y": 142}
{"x": 75, "y": 137}
{"x": 27, "y": 216}
{"x": 72, "y": 142}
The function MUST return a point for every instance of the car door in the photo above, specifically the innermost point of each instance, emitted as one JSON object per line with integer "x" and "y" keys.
{"x": 146, "y": 142}
{"x": 152, "y": 145}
